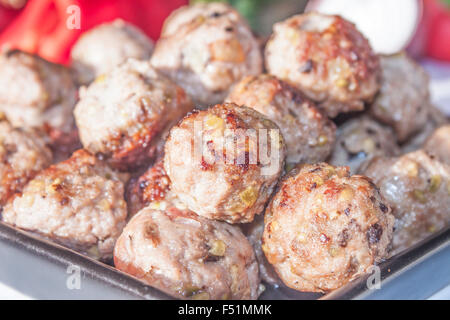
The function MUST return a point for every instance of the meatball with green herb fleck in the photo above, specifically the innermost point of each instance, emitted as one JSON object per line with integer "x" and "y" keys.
{"x": 324, "y": 228}
{"x": 308, "y": 133}
{"x": 417, "y": 187}
{"x": 188, "y": 256}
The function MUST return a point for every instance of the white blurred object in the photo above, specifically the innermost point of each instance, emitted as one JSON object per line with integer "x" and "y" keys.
{"x": 7, "y": 293}
{"x": 439, "y": 83}
{"x": 389, "y": 25}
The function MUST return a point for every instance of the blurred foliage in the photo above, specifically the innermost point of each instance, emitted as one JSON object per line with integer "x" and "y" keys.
{"x": 248, "y": 8}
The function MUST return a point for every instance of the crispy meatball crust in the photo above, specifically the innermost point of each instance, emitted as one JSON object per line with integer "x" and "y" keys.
{"x": 308, "y": 133}
{"x": 78, "y": 203}
{"x": 403, "y": 100}
{"x": 417, "y": 187}
{"x": 327, "y": 58}
{"x": 187, "y": 256}
{"x": 359, "y": 140}
{"x": 126, "y": 114}
{"x": 37, "y": 94}
{"x": 152, "y": 186}
{"x": 439, "y": 144}
{"x": 223, "y": 173}
{"x": 324, "y": 228}
{"x": 22, "y": 155}
{"x": 106, "y": 46}
{"x": 206, "y": 48}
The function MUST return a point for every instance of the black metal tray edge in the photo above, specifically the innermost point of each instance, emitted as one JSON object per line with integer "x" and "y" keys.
{"x": 416, "y": 273}
{"x": 40, "y": 271}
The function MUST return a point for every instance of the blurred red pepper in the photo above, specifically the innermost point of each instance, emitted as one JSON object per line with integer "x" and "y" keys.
{"x": 41, "y": 27}
{"x": 6, "y": 16}
{"x": 437, "y": 17}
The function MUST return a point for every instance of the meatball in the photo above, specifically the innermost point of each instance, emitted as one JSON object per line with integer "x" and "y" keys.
{"x": 78, "y": 203}
{"x": 22, "y": 155}
{"x": 324, "y": 228}
{"x": 254, "y": 231}
{"x": 436, "y": 118}
{"x": 206, "y": 48}
{"x": 225, "y": 173}
{"x": 403, "y": 101}
{"x": 308, "y": 133}
{"x": 125, "y": 115}
{"x": 106, "y": 46}
{"x": 38, "y": 94}
{"x": 151, "y": 187}
{"x": 359, "y": 140}
{"x": 439, "y": 144}
{"x": 327, "y": 58}
{"x": 187, "y": 256}
{"x": 417, "y": 187}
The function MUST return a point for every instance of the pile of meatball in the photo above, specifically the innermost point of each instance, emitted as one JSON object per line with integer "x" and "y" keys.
{"x": 210, "y": 168}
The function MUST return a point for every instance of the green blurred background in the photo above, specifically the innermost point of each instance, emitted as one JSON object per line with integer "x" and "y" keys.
{"x": 262, "y": 14}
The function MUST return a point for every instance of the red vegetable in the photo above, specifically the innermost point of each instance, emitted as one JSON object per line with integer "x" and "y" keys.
{"x": 41, "y": 27}
{"x": 438, "y": 41}
{"x": 6, "y": 16}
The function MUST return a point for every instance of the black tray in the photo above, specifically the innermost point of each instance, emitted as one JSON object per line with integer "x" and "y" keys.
{"x": 40, "y": 269}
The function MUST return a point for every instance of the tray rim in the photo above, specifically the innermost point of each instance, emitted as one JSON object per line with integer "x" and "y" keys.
{"x": 133, "y": 287}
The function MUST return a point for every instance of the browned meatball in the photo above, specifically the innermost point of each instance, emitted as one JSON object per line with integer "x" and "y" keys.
{"x": 152, "y": 186}
{"x": 126, "y": 114}
{"x": 106, "y": 46}
{"x": 308, "y": 133}
{"x": 217, "y": 161}
{"x": 324, "y": 228}
{"x": 206, "y": 48}
{"x": 361, "y": 139}
{"x": 37, "y": 94}
{"x": 22, "y": 155}
{"x": 187, "y": 256}
{"x": 417, "y": 187}
{"x": 403, "y": 101}
{"x": 439, "y": 144}
{"x": 78, "y": 203}
{"x": 254, "y": 232}
{"x": 327, "y": 58}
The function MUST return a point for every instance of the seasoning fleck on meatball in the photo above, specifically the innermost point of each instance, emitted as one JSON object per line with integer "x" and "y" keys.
{"x": 219, "y": 165}
{"x": 403, "y": 101}
{"x": 151, "y": 187}
{"x": 37, "y": 94}
{"x": 308, "y": 133}
{"x": 106, "y": 46}
{"x": 126, "y": 114}
{"x": 78, "y": 203}
{"x": 187, "y": 256}
{"x": 22, "y": 155}
{"x": 327, "y": 58}
{"x": 439, "y": 144}
{"x": 324, "y": 228}
{"x": 361, "y": 139}
{"x": 417, "y": 187}
{"x": 206, "y": 48}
